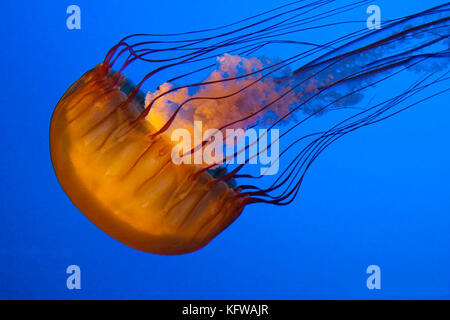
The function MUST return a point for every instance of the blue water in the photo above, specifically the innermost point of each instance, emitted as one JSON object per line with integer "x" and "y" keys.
{"x": 380, "y": 196}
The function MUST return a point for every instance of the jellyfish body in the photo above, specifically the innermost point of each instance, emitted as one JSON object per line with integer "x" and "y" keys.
{"x": 112, "y": 151}
{"x": 124, "y": 181}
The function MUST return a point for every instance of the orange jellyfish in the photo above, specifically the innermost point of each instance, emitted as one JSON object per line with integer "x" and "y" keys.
{"x": 112, "y": 146}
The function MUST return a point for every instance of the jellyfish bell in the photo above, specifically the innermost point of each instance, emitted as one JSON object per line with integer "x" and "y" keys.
{"x": 122, "y": 177}
{"x": 111, "y": 145}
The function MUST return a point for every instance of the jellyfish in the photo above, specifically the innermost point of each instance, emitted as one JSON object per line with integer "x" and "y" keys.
{"x": 167, "y": 163}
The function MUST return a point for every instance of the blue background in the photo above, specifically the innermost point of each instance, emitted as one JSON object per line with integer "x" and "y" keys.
{"x": 379, "y": 196}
